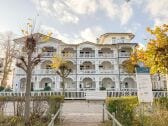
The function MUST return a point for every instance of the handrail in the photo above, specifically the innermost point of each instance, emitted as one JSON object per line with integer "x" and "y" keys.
{"x": 114, "y": 120}
{"x": 54, "y": 117}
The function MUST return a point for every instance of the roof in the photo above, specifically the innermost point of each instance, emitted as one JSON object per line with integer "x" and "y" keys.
{"x": 119, "y": 33}
{"x": 21, "y": 39}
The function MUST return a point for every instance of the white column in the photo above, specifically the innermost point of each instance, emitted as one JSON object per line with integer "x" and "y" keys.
{"x": 96, "y": 53}
{"x": 117, "y": 82}
{"x": 36, "y": 83}
{"x": 78, "y": 83}
{"x": 56, "y": 84}
{"x": 97, "y": 82}
{"x": 97, "y": 66}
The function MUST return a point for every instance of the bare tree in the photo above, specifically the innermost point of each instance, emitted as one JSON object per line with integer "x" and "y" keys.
{"x": 8, "y": 47}
{"x": 28, "y": 61}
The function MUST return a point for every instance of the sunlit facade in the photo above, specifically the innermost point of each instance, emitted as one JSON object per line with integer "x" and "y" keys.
{"x": 94, "y": 65}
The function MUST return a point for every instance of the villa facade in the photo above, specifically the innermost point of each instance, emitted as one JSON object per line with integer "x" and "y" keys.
{"x": 94, "y": 65}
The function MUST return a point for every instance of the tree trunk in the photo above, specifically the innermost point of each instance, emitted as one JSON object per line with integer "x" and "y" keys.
{"x": 28, "y": 89}
{"x": 167, "y": 81}
{"x": 4, "y": 80}
{"x": 63, "y": 86}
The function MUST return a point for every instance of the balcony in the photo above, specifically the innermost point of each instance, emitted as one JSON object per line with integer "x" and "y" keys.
{"x": 124, "y": 54}
{"x": 47, "y": 54}
{"x": 106, "y": 55}
{"x": 103, "y": 71}
{"x": 45, "y": 71}
{"x": 69, "y": 55}
{"x": 19, "y": 71}
{"x": 86, "y": 55}
{"x": 123, "y": 41}
{"x": 89, "y": 71}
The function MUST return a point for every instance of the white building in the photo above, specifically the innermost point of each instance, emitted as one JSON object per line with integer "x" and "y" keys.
{"x": 93, "y": 65}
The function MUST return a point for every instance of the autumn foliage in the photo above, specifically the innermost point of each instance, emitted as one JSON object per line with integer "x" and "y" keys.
{"x": 154, "y": 55}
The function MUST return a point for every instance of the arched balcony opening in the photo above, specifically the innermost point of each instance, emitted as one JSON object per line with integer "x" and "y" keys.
{"x": 87, "y": 67}
{"x": 46, "y": 64}
{"x": 70, "y": 84}
{"x": 22, "y": 84}
{"x": 106, "y": 67}
{"x": 48, "y": 51}
{"x": 72, "y": 66}
{"x": 125, "y": 51}
{"x": 88, "y": 83}
{"x": 87, "y": 53}
{"x": 68, "y": 52}
{"x": 106, "y": 53}
{"x": 129, "y": 83}
{"x": 108, "y": 83}
{"x": 46, "y": 82}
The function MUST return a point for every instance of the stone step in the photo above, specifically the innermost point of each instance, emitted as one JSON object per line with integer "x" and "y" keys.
{"x": 81, "y": 124}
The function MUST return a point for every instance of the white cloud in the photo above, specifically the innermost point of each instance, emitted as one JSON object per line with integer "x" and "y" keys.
{"x": 126, "y": 13}
{"x": 122, "y": 12}
{"x": 90, "y": 34}
{"x": 71, "y": 10}
{"x": 73, "y": 39}
{"x": 158, "y": 10}
{"x": 82, "y": 6}
{"x": 58, "y": 9}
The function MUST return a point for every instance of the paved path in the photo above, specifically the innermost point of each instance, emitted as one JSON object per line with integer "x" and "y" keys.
{"x": 82, "y": 113}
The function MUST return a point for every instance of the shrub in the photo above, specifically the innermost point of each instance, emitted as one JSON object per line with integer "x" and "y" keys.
{"x": 1, "y": 88}
{"x": 54, "y": 103}
{"x": 8, "y": 89}
{"x": 123, "y": 108}
{"x": 102, "y": 88}
{"x": 162, "y": 102}
{"x": 47, "y": 88}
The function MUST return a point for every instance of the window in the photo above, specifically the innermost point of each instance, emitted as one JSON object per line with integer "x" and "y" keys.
{"x": 113, "y": 40}
{"x": 122, "y": 39}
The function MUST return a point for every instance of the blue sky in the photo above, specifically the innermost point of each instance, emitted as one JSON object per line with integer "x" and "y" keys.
{"x": 75, "y": 21}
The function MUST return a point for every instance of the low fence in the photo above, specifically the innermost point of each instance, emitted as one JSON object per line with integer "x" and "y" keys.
{"x": 114, "y": 121}
{"x": 82, "y": 94}
{"x": 52, "y": 122}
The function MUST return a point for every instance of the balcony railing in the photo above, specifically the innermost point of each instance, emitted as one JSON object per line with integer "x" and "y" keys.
{"x": 69, "y": 55}
{"x": 45, "y": 71}
{"x": 88, "y": 71}
{"x": 41, "y": 71}
{"x": 19, "y": 71}
{"x": 47, "y": 54}
{"x": 124, "y": 54}
{"x": 82, "y": 94}
{"x": 87, "y": 55}
{"x": 106, "y": 71}
{"x": 106, "y": 55}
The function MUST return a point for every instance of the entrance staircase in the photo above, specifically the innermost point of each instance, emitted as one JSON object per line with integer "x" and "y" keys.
{"x": 96, "y": 95}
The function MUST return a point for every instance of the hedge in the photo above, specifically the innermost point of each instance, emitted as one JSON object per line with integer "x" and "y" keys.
{"x": 123, "y": 107}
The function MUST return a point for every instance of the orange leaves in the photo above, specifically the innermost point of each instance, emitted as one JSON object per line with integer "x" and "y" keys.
{"x": 57, "y": 61}
{"x": 157, "y": 49}
{"x": 47, "y": 37}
